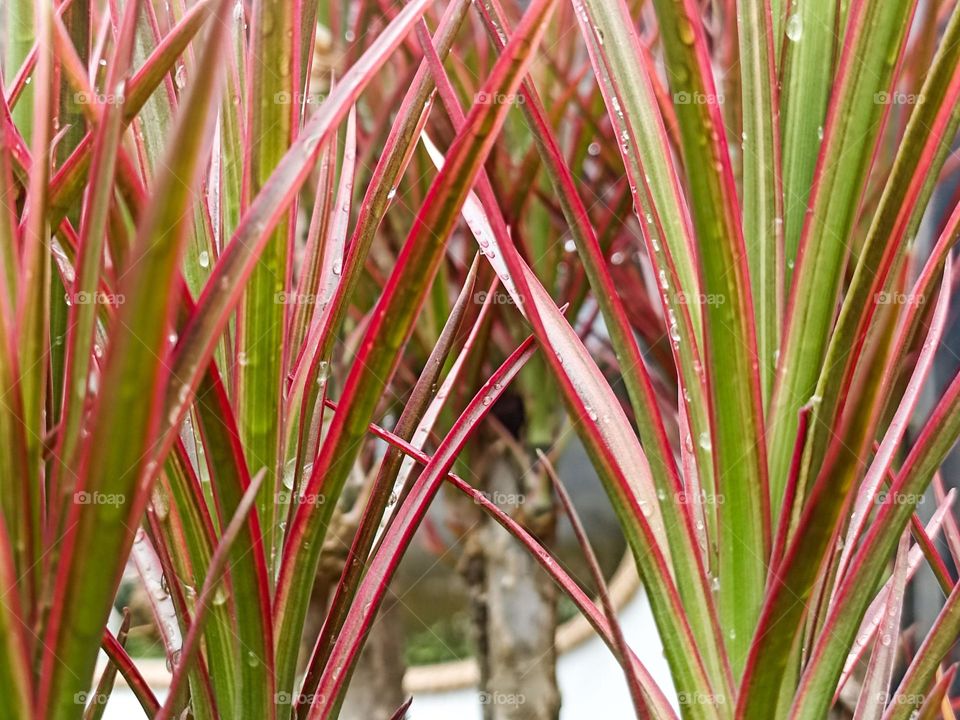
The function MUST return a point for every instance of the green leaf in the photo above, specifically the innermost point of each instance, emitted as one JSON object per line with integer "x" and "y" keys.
{"x": 846, "y": 612}
{"x": 730, "y": 346}
{"x": 919, "y": 160}
{"x": 807, "y": 71}
{"x": 870, "y": 55}
{"x": 249, "y": 580}
{"x": 391, "y": 325}
{"x": 761, "y": 192}
{"x": 272, "y": 99}
{"x": 15, "y": 683}
{"x": 127, "y": 407}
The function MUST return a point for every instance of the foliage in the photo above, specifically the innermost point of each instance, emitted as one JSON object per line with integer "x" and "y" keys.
{"x": 268, "y": 266}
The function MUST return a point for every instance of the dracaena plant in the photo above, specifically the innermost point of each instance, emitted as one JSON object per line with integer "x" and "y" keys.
{"x": 267, "y": 267}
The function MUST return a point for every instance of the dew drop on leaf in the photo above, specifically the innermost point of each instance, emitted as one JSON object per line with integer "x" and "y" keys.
{"x": 219, "y": 595}
{"x": 795, "y": 27}
{"x": 180, "y": 77}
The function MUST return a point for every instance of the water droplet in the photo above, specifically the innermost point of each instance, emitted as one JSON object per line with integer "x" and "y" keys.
{"x": 704, "y": 441}
{"x": 323, "y": 372}
{"x": 674, "y": 328}
{"x": 795, "y": 27}
{"x": 180, "y": 77}
{"x": 289, "y": 470}
{"x": 173, "y": 660}
{"x": 203, "y": 259}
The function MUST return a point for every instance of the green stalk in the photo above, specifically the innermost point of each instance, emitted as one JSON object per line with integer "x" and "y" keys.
{"x": 20, "y": 26}
{"x": 807, "y": 77}
{"x": 272, "y": 100}
{"x": 736, "y": 405}
{"x": 866, "y": 70}
{"x": 762, "y": 202}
